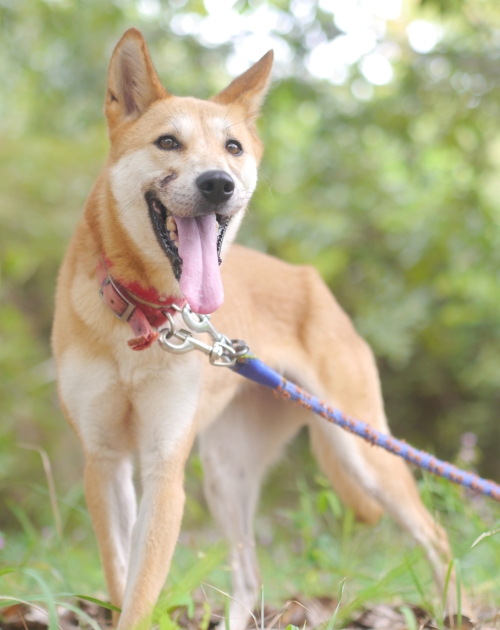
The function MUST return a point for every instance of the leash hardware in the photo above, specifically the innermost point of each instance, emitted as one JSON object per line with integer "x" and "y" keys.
{"x": 223, "y": 353}
{"x": 199, "y": 323}
{"x": 220, "y": 354}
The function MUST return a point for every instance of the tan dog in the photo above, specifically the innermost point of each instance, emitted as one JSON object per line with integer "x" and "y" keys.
{"x": 179, "y": 175}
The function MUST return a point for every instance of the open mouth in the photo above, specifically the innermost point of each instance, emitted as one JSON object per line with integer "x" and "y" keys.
{"x": 165, "y": 228}
{"x": 193, "y": 246}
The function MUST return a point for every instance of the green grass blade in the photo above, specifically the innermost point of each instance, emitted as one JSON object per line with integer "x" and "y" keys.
{"x": 261, "y": 607}
{"x": 207, "y": 614}
{"x": 48, "y": 597}
{"x": 418, "y": 585}
{"x": 99, "y": 602}
{"x": 485, "y": 535}
{"x": 410, "y": 618}
{"x": 80, "y": 613}
{"x": 333, "y": 620}
{"x": 24, "y": 520}
{"x": 218, "y": 590}
{"x": 227, "y": 616}
{"x": 458, "y": 575}
{"x": 9, "y": 600}
{"x": 440, "y": 618}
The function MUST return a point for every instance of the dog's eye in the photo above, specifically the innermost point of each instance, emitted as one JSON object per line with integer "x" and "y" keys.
{"x": 234, "y": 147}
{"x": 167, "y": 143}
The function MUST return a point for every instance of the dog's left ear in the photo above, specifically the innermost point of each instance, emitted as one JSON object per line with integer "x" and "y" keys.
{"x": 132, "y": 80}
{"x": 250, "y": 88}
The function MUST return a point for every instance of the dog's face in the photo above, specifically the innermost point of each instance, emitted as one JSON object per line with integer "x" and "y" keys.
{"x": 182, "y": 169}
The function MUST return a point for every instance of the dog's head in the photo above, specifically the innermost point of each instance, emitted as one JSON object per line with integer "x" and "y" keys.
{"x": 182, "y": 170}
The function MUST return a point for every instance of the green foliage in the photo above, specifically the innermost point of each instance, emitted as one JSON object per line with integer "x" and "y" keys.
{"x": 361, "y": 566}
{"x": 394, "y": 199}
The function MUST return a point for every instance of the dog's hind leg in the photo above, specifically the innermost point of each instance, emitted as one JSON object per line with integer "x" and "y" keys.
{"x": 236, "y": 451}
{"x": 387, "y": 479}
{"x": 350, "y": 381}
{"x": 344, "y": 483}
{"x": 336, "y": 365}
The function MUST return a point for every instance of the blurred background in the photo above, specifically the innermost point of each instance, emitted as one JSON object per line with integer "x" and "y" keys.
{"x": 382, "y": 169}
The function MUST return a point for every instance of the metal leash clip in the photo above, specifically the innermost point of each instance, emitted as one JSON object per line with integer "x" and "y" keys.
{"x": 223, "y": 352}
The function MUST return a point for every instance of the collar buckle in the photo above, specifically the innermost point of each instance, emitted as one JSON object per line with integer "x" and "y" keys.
{"x": 130, "y": 307}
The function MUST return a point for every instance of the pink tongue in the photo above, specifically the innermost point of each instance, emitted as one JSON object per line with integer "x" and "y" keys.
{"x": 200, "y": 280}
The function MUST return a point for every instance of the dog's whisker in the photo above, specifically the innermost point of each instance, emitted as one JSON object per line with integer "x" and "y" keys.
{"x": 129, "y": 205}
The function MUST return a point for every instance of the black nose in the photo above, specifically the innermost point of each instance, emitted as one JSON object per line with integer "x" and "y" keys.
{"x": 216, "y": 186}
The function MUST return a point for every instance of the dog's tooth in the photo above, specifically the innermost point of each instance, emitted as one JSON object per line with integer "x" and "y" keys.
{"x": 171, "y": 224}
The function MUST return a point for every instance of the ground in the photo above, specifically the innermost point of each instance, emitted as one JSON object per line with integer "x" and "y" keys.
{"x": 318, "y": 564}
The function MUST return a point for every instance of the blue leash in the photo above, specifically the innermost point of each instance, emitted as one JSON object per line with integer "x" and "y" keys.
{"x": 255, "y": 370}
{"x": 236, "y": 355}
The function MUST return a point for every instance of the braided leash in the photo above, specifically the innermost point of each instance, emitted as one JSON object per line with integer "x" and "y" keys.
{"x": 235, "y": 354}
{"x": 254, "y": 369}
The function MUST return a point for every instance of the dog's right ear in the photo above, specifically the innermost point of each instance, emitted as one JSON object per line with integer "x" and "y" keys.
{"x": 132, "y": 80}
{"x": 249, "y": 89}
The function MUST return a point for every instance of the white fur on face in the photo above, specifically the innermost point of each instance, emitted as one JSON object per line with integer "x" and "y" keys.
{"x": 231, "y": 231}
{"x": 249, "y": 173}
{"x": 130, "y": 178}
{"x": 185, "y": 125}
{"x": 203, "y": 149}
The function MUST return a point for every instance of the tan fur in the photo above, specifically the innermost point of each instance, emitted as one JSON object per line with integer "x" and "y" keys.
{"x": 120, "y": 402}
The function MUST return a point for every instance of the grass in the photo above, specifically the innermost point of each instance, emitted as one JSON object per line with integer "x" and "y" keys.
{"x": 309, "y": 545}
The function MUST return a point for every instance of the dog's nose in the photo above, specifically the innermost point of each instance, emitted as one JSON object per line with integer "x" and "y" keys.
{"x": 216, "y": 186}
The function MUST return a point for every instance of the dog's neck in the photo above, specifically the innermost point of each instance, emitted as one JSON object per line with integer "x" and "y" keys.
{"x": 144, "y": 309}
{"x": 146, "y": 295}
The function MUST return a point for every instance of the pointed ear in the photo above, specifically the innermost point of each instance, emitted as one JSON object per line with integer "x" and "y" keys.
{"x": 250, "y": 88}
{"x": 132, "y": 80}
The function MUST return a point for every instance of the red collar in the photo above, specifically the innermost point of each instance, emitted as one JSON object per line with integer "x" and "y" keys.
{"x": 130, "y": 302}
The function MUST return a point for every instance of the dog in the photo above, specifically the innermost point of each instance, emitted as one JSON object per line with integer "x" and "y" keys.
{"x": 159, "y": 220}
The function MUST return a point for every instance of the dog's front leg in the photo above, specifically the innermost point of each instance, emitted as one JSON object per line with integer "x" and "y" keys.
{"x": 95, "y": 403}
{"x": 165, "y": 432}
{"x": 110, "y": 497}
